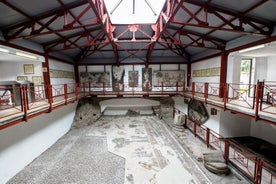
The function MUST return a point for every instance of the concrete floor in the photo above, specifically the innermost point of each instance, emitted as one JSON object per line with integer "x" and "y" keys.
{"x": 120, "y": 149}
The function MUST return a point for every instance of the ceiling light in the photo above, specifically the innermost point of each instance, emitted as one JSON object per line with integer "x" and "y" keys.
{"x": 251, "y": 48}
{"x": 26, "y": 55}
{"x": 4, "y": 50}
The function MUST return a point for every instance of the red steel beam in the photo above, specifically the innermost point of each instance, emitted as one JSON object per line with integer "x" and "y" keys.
{"x": 38, "y": 33}
{"x": 53, "y": 43}
{"x": 40, "y": 17}
{"x": 205, "y": 35}
{"x": 98, "y": 8}
{"x": 28, "y": 16}
{"x": 133, "y": 53}
{"x": 77, "y": 19}
{"x": 172, "y": 8}
{"x": 241, "y": 16}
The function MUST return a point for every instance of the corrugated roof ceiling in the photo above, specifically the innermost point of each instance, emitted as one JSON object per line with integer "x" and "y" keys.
{"x": 82, "y": 29}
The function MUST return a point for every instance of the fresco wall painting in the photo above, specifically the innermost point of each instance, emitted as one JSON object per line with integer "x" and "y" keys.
{"x": 168, "y": 78}
{"x": 96, "y": 79}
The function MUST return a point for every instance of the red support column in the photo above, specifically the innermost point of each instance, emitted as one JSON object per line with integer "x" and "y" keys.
{"x": 208, "y": 137}
{"x": 195, "y": 127}
{"x": 26, "y": 96}
{"x": 76, "y": 70}
{"x": 206, "y": 86}
{"x": 185, "y": 124}
{"x": 193, "y": 89}
{"x": 226, "y": 149}
{"x": 259, "y": 97}
{"x": 223, "y": 72}
{"x": 50, "y": 99}
{"x": 254, "y": 96}
{"x": 77, "y": 91}
{"x": 258, "y": 176}
{"x": 25, "y": 103}
{"x": 65, "y": 93}
{"x": 21, "y": 98}
{"x": 257, "y": 170}
{"x": 189, "y": 68}
{"x": 225, "y": 95}
{"x": 46, "y": 74}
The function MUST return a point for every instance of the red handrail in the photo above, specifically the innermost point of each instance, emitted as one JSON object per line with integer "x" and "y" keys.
{"x": 256, "y": 169}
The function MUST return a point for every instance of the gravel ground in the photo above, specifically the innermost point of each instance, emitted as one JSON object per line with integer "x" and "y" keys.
{"x": 75, "y": 158}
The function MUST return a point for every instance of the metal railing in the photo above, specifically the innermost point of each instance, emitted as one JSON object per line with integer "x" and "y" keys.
{"x": 11, "y": 101}
{"x": 45, "y": 98}
{"x": 252, "y": 166}
{"x": 268, "y": 97}
{"x": 242, "y": 95}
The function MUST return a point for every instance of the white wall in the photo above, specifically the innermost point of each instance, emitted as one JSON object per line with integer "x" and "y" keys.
{"x": 58, "y": 65}
{"x": 205, "y": 64}
{"x": 213, "y": 123}
{"x": 261, "y": 69}
{"x": 234, "y": 125}
{"x": 233, "y": 69}
{"x": 155, "y": 67}
{"x": 22, "y": 143}
{"x": 180, "y": 105}
{"x": 264, "y": 131}
{"x": 271, "y": 66}
{"x": 10, "y": 70}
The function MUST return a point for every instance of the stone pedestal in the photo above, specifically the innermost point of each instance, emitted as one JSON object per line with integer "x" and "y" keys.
{"x": 178, "y": 123}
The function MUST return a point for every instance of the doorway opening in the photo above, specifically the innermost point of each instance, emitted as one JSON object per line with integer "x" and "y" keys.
{"x": 247, "y": 75}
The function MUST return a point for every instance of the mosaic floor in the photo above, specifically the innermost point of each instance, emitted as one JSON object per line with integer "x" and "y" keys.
{"x": 151, "y": 154}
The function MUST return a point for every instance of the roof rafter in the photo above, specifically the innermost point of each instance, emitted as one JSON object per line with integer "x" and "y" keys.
{"x": 171, "y": 9}
{"x": 261, "y": 27}
{"x": 51, "y": 44}
{"x": 27, "y": 16}
{"x": 33, "y": 21}
{"x": 98, "y": 8}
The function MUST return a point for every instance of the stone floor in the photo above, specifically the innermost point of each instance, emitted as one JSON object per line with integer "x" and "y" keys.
{"x": 122, "y": 149}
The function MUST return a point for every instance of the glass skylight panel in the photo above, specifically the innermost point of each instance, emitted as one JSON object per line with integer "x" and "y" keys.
{"x": 134, "y": 11}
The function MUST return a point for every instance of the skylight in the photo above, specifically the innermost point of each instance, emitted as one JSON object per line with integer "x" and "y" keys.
{"x": 134, "y": 11}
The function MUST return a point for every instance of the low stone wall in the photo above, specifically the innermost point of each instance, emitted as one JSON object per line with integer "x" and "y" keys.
{"x": 87, "y": 112}
{"x": 91, "y": 109}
